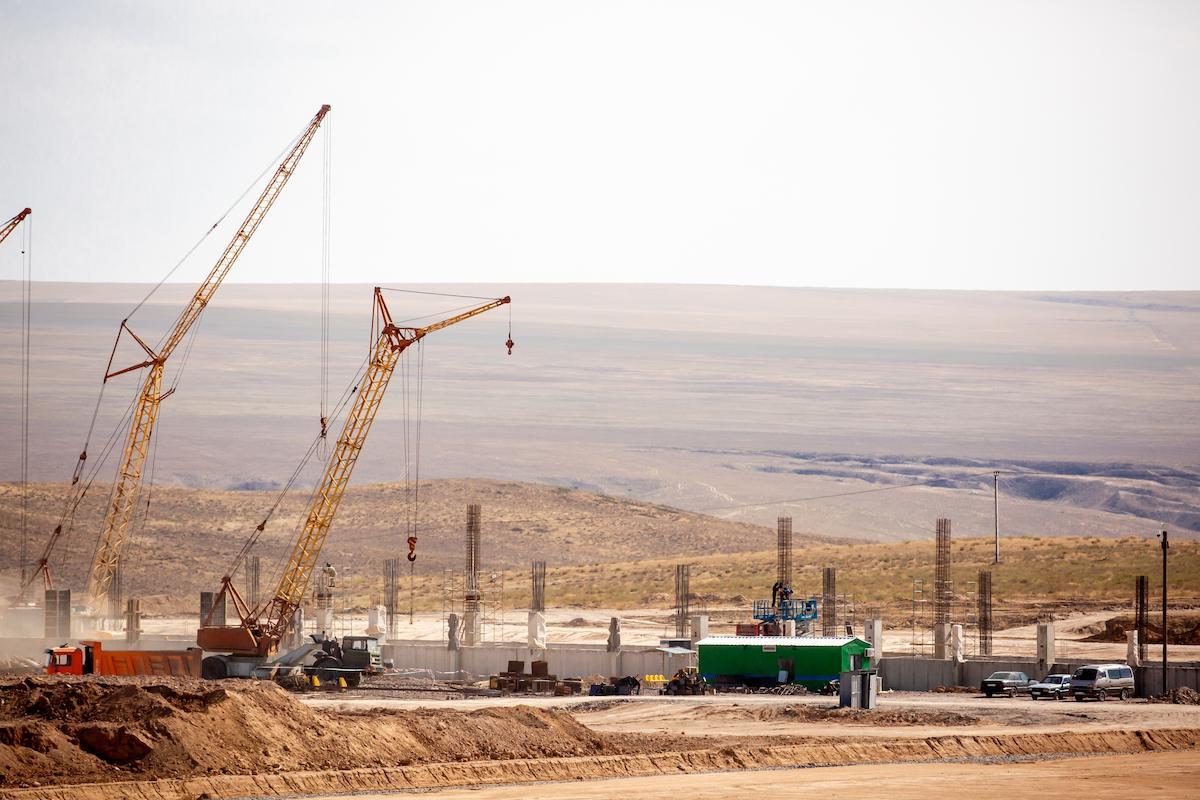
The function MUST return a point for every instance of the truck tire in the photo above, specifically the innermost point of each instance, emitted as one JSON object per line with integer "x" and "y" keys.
{"x": 353, "y": 679}
{"x": 214, "y": 668}
{"x": 1124, "y": 695}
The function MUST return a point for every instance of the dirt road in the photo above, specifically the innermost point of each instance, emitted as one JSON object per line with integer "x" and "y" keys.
{"x": 771, "y": 716}
{"x": 1160, "y": 775}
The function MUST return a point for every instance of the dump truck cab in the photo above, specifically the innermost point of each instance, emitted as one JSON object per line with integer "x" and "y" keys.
{"x": 362, "y": 653}
{"x": 67, "y": 660}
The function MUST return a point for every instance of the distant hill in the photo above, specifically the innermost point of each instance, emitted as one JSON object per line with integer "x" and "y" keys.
{"x": 725, "y": 400}
{"x": 190, "y": 536}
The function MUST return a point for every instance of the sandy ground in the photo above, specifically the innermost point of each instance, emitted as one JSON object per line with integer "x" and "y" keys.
{"x": 757, "y": 715}
{"x": 1162, "y": 775}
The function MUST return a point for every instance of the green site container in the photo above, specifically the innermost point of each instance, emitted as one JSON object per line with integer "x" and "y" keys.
{"x": 809, "y": 661}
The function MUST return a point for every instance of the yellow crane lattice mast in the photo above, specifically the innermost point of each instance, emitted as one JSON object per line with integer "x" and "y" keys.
{"x": 133, "y": 458}
{"x": 261, "y": 631}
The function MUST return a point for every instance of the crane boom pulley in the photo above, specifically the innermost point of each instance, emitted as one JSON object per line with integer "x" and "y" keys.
{"x": 12, "y": 224}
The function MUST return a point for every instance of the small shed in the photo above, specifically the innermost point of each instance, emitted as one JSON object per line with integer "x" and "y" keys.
{"x": 811, "y": 661}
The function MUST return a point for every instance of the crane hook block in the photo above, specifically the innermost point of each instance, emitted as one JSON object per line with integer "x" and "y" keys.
{"x": 509, "y": 344}
{"x": 412, "y": 548}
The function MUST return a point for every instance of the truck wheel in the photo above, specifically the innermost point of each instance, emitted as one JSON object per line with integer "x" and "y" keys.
{"x": 214, "y": 668}
{"x": 353, "y": 679}
{"x": 1102, "y": 696}
{"x": 1124, "y": 695}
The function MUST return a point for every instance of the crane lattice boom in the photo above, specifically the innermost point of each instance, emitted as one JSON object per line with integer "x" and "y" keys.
{"x": 261, "y": 632}
{"x": 141, "y": 430}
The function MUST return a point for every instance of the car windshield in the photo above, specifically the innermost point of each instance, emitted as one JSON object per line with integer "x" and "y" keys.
{"x": 1055, "y": 678}
{"x": 1000, "y": 676}
{"x": 1086, "y": 673}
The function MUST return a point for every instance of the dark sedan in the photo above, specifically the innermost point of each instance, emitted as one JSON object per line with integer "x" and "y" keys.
{"x": 1009, "y": 683}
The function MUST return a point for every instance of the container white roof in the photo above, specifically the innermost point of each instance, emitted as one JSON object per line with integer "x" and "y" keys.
{"x": 784, "y": 641}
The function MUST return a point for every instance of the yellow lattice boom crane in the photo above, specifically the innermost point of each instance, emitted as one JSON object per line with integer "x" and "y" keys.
{"x": 260, "y": 630}
{"x": 12, "y": 224}
{"x": 127, "y": 485}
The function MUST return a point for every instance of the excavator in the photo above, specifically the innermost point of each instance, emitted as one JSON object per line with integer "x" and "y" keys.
{"x": 250, "y": 647}
{"x": 127, "y": 485}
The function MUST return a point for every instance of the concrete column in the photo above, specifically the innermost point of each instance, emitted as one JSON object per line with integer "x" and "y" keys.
{"x": 377, "y": 621}
{"x": 957, "y": 650}
{"x": 536, "y": 638}
{"x": 941, "y": 640}
{"x": 297, "y": 633}
{"x": 324, "y": 620}
{"x": 58, "y": 614}
{"x": 789, "y": 627}
{"x": 1045, "y": 646}
{"x": 700, "y": 628}
{"x": 1131, "y": 649}
{"x": 874, "y": 635}
{"x": 614, "y": 635}
{"x": 207, "y": 601}
{"x": 471, "y": 628}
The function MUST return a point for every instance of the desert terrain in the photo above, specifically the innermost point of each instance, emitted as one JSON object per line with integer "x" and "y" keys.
{"x": 740, "y": 402}
{"x": 630, "y": 431}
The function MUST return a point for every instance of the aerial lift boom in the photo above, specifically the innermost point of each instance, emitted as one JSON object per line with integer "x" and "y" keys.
{"x": 260, "y": 631}
{"x": 11, "y": 225}
{"x": 145, "y": 414}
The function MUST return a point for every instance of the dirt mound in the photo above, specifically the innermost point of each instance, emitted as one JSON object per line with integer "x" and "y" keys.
{"x": 807, "y": 712}
{"x": 1184, "y": 629}
{"x": 72, "y": 730}
{"x": 1183, "y": 696}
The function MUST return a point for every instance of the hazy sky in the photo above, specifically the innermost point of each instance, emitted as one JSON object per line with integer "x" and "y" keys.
{"x": 917, "y": 144}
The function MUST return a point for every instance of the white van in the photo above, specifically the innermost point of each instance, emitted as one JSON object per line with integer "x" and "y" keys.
{"x": 1101, "y": 681}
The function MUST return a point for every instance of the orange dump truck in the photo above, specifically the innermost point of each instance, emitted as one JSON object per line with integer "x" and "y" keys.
{"x": 90, "y": 658}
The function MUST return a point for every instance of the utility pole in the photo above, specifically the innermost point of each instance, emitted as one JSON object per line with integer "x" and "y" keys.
{"x": 996, "y": 512}
{"x": 1165, "y": 547}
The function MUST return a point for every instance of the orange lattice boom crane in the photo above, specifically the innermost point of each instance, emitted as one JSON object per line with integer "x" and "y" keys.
{"x": 127, "y": 485}
{"x": 260, "y": 630}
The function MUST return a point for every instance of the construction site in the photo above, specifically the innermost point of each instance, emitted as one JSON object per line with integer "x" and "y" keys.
{"x": 565, "y": 539}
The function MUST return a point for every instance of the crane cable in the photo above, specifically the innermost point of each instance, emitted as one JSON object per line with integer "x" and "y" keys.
{"x": 77, "y": 493}
{"x": 326, "y": 237}
{"x": 26, "y": 364}
{"x": 345, "y": 398}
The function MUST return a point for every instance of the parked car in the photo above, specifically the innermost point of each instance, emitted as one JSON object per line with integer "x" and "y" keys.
{"x": 1055, "y": 687}
{"x": 1009, "y": 683}
{"x": 1101, "y": 681}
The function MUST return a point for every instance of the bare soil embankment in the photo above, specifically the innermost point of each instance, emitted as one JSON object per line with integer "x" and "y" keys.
{"x": 117, "y": 739}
